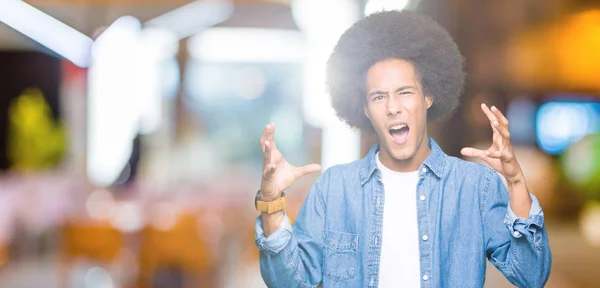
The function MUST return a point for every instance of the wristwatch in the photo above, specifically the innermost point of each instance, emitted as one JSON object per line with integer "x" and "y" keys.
{"x": 269, "y": 207}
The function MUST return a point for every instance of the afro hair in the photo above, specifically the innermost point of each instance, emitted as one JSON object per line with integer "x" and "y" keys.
{"x": 394, "y": 35}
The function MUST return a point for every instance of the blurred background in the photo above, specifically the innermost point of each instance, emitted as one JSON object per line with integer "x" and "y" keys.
{"x": 129, "y": 129}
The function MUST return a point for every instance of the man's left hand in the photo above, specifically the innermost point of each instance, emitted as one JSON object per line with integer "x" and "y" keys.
{"x": 500, "y": 155}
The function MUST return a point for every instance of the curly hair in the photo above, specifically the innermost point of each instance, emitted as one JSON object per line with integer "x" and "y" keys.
{"x": 394, "y": 35}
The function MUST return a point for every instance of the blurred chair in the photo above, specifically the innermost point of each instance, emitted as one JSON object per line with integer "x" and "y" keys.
{"x": 179, "y": 250}
{"x": 3, "y": 255}
{"x": 91, "y": 240}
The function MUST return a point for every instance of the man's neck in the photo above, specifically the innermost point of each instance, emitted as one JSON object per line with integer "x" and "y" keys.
{"x": 410, "y": 164}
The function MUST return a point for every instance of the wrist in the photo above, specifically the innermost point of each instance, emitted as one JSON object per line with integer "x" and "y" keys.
{"x": 271, "y": 222}
{"x": 517, "y": 181}
{"x": 269, "y": 205}
{"x": 269, "y": 195}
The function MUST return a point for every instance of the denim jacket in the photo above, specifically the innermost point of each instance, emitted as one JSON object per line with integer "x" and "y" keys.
{"x": 462, "y": 207}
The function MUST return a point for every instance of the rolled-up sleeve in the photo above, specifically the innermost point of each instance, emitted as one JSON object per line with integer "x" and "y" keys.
{"x": 293, "y": 257}
{"x": 519, "y": 226}
{"x": 276, "y": 241}
{"x": 517, "y": 246}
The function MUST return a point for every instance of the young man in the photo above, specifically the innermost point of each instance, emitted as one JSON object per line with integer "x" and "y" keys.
{"x": 406, "y": 215}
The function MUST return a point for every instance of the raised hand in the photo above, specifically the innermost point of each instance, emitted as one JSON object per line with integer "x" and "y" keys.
{"x": 278, "y": 174}
{"x": 500, "y": 155}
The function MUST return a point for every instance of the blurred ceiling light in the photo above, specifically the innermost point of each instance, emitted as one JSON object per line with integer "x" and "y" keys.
{"x": 125, "y": 86}
{"x": 325, "y": 17}
{"x": 323, "y": 22}
{"x": 46, "y": 30}
{"x": 374, "y": 6}
{"x": 112, "y": 106}
{"x": 196, "y": 16}
{"x": 247, "y": 45}
{"x": 123, "y": 25}
{"x": 159, "y": 42}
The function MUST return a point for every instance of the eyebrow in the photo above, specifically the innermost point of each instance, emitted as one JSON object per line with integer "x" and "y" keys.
{"x": 397, "y": 90}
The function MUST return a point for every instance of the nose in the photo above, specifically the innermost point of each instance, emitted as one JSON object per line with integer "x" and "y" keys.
{"x": 393, "y": 106}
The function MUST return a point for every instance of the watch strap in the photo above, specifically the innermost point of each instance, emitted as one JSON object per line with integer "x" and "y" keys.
{"x": 271, "y": 206}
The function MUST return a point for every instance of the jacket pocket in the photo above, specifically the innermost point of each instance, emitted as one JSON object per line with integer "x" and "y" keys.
{"x": 341, "y": 255}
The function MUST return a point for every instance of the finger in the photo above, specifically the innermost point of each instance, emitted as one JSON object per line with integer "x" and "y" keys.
{"x": 494, "y": 154}
{"x": 307, "y": 169}
{"x": 476, "y": 153}
{"x": 490, "y": 115}
{"x": 499, "y": 116}
{"x": 503, "y": 130}
{"x": 271, "y": 133}
{"x": 263, "y": 138}
{"x": 267, "y": 153}
{"x": 503, "y": 156}
{"x": 268, "y": 171}
{"x": 268, "y": 167}
{"x": 472, "y": 152}
{"x": 494, "y": 123}
{"x": 507, "y": 156}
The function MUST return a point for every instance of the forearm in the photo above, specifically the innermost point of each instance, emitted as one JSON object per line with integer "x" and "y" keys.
{"x": 520, "y": 201}
{"x": 271, "y": 222}
{"x": 292, "y": 256}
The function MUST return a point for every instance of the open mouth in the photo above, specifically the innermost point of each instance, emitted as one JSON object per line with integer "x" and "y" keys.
{"x": 399, "y": 133}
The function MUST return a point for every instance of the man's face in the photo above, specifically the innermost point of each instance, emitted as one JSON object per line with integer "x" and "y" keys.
{"x": 397, "y": 108}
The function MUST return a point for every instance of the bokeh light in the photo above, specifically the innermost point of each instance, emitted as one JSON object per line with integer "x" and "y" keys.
{"x": 581, "y": 165}
{"x": 100, "y": 204}
{"x": 521, "y": 113}
{"x": 373, "y": 6}
{"x": 560, "y": 124}
{"x": 590, "y": 223}
{"x": 98, "y": 277}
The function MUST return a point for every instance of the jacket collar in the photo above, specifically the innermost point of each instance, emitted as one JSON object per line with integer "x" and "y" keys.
{"x": 435, "y": 161}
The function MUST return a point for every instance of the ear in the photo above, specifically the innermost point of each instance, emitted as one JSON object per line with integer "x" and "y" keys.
{"x": 366, "y": 111}
{"x": 429, "y": 101}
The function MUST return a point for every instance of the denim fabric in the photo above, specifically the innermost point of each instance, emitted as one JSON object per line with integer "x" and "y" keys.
{"x": 463, "y": 217}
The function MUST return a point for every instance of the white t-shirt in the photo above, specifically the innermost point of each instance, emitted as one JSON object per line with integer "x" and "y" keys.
{"x": 399, "y": 263}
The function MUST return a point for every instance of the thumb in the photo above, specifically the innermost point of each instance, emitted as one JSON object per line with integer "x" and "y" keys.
{"x": 307, "y": 169}
{"x": 476, "y": 153}
{"x": 472, "y": 152}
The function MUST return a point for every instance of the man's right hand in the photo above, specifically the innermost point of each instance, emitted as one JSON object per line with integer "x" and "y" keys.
{"x": 278, "y": 174}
